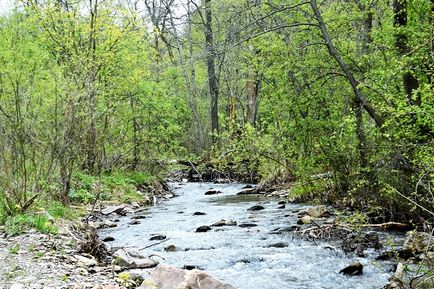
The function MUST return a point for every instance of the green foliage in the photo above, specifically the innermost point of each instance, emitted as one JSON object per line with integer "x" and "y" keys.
{"x": 13, "y": 249}
{"x": 19, "y": 223}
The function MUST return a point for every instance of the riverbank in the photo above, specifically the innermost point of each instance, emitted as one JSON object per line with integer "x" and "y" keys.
{"x": 171, "y": 231}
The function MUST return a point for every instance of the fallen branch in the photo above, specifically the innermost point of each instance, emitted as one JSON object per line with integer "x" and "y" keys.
{"x": 390, "y": 226}
{"x": 154, "y": 244}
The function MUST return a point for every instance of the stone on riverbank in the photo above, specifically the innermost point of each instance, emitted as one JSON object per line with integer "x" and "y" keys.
{"x": 133, "y": 259}
{"x": 168, "y": 277}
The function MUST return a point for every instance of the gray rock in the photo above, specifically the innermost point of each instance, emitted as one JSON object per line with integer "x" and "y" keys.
{"x": 170, "y": 248}
{"x": 168, "y": 277}
{"x": 247, "y": 225}
{"x": 133, "y": 259}
{"x": 84, "y": 261}
{"x": 222, "y": 223}
{"x": 354, "y": 269}
{"x": 247, "y": 191}
{"x": 112, "y": 209}
{"x": 318, "y": 211}
{"x": 256, "y": 208}
{"x": 199, "y": 213}
{"x": 305, "y": 220}
{"x": 157, "y": 238}
{"x": 212, "y": 192}
{"x": 203, "y": 229}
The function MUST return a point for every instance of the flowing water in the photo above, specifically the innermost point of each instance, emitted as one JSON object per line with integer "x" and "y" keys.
{"x": 243, "y": 257}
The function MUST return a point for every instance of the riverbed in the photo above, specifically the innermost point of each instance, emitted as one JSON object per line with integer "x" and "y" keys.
{"x": 252, "y": 257}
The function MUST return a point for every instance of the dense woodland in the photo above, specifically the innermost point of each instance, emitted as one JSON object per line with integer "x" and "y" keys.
{"x": 335, "y": 96}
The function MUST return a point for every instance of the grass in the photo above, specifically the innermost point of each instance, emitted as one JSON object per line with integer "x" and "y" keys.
{"x": 116, "y": 186}
{"x": 42, "y": 216}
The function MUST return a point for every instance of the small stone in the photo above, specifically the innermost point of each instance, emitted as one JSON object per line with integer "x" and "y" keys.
{"x": 157, "y": 238}
{"x": 354, "y": 269}
{"x": 113, "y": 209}
{"x": 84, "y": 261}
{"x": 222, "y": 223}
{"x": 170, "y": 248}
{"x": 247, "y": 191}
{"x": 134, "y": 222}
{"x": 212, "y": 192}
{"x": 203, "y": 229}
{"x": 318, "y": 211}
{"x": 247, "y": 225}
{"x": 278, "y": 245}
{"x": 199, "y": 213}
{"x": 108, "y": 239}
{"x": 305, "y": 220}
{"x": 256, "y": 208}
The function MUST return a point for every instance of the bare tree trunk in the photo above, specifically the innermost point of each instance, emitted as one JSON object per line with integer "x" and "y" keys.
{"x": 190, "y": 80}
{"x": 212, "y": 78}
{"x": 358, "y": 96}
{"x": 91, "y": 93}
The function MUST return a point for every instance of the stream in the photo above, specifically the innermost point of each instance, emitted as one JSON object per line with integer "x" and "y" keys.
{"x": 243, "y": 257}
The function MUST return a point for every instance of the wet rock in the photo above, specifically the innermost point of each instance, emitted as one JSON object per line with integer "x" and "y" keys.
{"x": 354, "y": 269}
{"x": 247, "y": 225}
{"x": 278, "y": 245}
{"x": 247, "y": 187}
{"x": 256, "y": 208}
{"x": 281, "y": 203}
{"x": 222, "y": 223}
{"x": 112, "y": 209}
{"x": 305, "y": 220}
{"x": 286, "y": 229}
{"x": 199, "y": 213}
{"x": 170, "y": 248}
{"x": 132, "y": 259}
{"x": 134, "y": 222}
{"x": 203, "y": 229}
{"x": 108, "y": 239}
{"x": 317, "y": 211}
{"x": 138, "y": 217}
{"x": 248, "y": 191}
{"x": 212, "y": 192}
{"x": 157, "y": 238}
{"x": 191, "y": 267}
{"x": 105, "y": 224}
{"x": 281, "y": 207}
{"x": 168, "y": 277}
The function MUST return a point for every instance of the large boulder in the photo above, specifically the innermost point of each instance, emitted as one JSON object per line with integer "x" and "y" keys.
{"x": 168, "y": 277}
{"x": 318, "y": 211}
{"x": 132, "y": 259}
